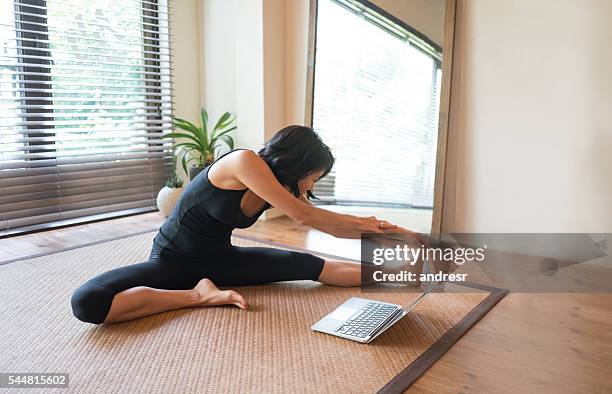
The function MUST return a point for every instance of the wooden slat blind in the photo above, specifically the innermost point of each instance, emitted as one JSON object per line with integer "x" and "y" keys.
{"x": 85, "y": 97}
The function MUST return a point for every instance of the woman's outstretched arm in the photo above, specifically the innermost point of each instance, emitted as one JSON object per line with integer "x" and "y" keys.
{"x": 252, "y": 171}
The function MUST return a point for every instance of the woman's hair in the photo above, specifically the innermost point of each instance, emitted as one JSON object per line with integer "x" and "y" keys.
{"x": 293, "y": 153}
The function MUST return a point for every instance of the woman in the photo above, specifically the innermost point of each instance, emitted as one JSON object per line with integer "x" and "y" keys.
{"x": 192, "y": 252}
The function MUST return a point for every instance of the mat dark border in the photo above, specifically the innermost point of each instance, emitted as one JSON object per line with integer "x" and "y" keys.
{"x": 416, "y": 368}
{"x": 421, "y": 364}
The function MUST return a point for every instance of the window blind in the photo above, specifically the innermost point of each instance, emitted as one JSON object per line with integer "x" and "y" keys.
{"x": 85, "y": 97}
{"x": 376, "y": 102}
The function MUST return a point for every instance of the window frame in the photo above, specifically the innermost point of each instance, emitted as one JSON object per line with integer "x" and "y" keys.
{"x": 445, "y": 133}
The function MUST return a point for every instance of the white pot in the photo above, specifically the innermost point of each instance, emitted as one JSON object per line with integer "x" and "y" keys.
{"x": 167, "y": 198}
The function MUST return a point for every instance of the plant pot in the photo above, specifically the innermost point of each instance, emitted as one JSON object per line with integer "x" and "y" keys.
{"x": 194, "y": 171}
{"x": 167, "y": 198}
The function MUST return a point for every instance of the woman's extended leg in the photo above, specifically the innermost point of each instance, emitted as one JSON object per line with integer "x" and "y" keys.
{"x": 239, "y": 266}
{"x": 340, "y": 273}
{"x": 344, "y": 273}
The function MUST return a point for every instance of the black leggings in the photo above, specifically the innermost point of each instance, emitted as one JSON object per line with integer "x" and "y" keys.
{"x": 229, "y": 266}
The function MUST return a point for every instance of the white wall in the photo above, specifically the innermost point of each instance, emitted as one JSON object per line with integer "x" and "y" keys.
{"x": 532, "y": 94}
{"x": 218, "y": 54}
{"x": 254, "y": 64}
{"x": 249, "y": 74}
{"x": 243, "y": 62}
{"x": 232, "y": 53}
{"x": 186, "y": 76}
{"x": 186, "y": 43}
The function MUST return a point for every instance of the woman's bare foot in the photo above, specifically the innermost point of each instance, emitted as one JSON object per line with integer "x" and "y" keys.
{"x": 210, "y": 295}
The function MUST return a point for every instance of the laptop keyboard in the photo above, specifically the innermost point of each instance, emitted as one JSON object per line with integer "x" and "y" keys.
{"x": 367, "y": 319}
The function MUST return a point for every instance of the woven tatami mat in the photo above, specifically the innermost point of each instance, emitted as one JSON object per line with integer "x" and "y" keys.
{"x": 269, "y": 348}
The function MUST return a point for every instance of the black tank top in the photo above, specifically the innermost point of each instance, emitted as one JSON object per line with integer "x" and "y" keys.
{"x": 203, "y": 218}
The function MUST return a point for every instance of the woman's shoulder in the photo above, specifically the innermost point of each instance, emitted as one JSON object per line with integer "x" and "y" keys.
{"x": 248, "y": 154}
{"x": 224, "y": 172}
{"x": 239, "y": 156}
{"x": 242, "y": 153}
{"x": 245, "y": 157}
{"x": 239, "y": 161}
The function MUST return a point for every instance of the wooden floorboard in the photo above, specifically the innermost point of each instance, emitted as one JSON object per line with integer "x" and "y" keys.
{"x": 65, "y": 237}
{"x": 536, "y": 343}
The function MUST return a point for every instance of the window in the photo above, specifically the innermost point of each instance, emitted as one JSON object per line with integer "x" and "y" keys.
{"x": 376, "y": 103}
{"x": 85, "y": 97}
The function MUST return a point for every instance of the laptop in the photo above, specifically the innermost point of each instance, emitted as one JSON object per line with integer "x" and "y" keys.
{"x": 362, "y": 320}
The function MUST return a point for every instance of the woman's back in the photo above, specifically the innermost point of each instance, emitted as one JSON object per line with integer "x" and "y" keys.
{"x": 203, "y": 218}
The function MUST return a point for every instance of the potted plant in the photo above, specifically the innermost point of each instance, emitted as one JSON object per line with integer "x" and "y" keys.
{"x": 169, "y": 194}
{"x": 199, "y": 147}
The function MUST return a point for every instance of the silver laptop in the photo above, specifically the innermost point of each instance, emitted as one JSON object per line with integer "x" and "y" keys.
{"x": 363, "y": 320}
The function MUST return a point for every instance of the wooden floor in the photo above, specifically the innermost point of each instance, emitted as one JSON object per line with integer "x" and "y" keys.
{"x": 534, "y": 343}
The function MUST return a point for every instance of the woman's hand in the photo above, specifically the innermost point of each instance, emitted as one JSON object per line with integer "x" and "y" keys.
{"x": 375, "y": 225}
{"x": 372, "y": 224}
{"x": 421, "y": 238}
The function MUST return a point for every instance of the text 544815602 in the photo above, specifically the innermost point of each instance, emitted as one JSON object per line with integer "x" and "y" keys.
{"x": 31, "y": 380}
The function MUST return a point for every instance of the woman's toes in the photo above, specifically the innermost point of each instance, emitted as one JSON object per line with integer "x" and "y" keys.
{"x": 237, "y": 299}
{"x": 210, "y": 295}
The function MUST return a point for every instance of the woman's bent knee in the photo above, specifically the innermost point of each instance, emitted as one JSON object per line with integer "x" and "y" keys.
{"x": 91, "y": 302}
